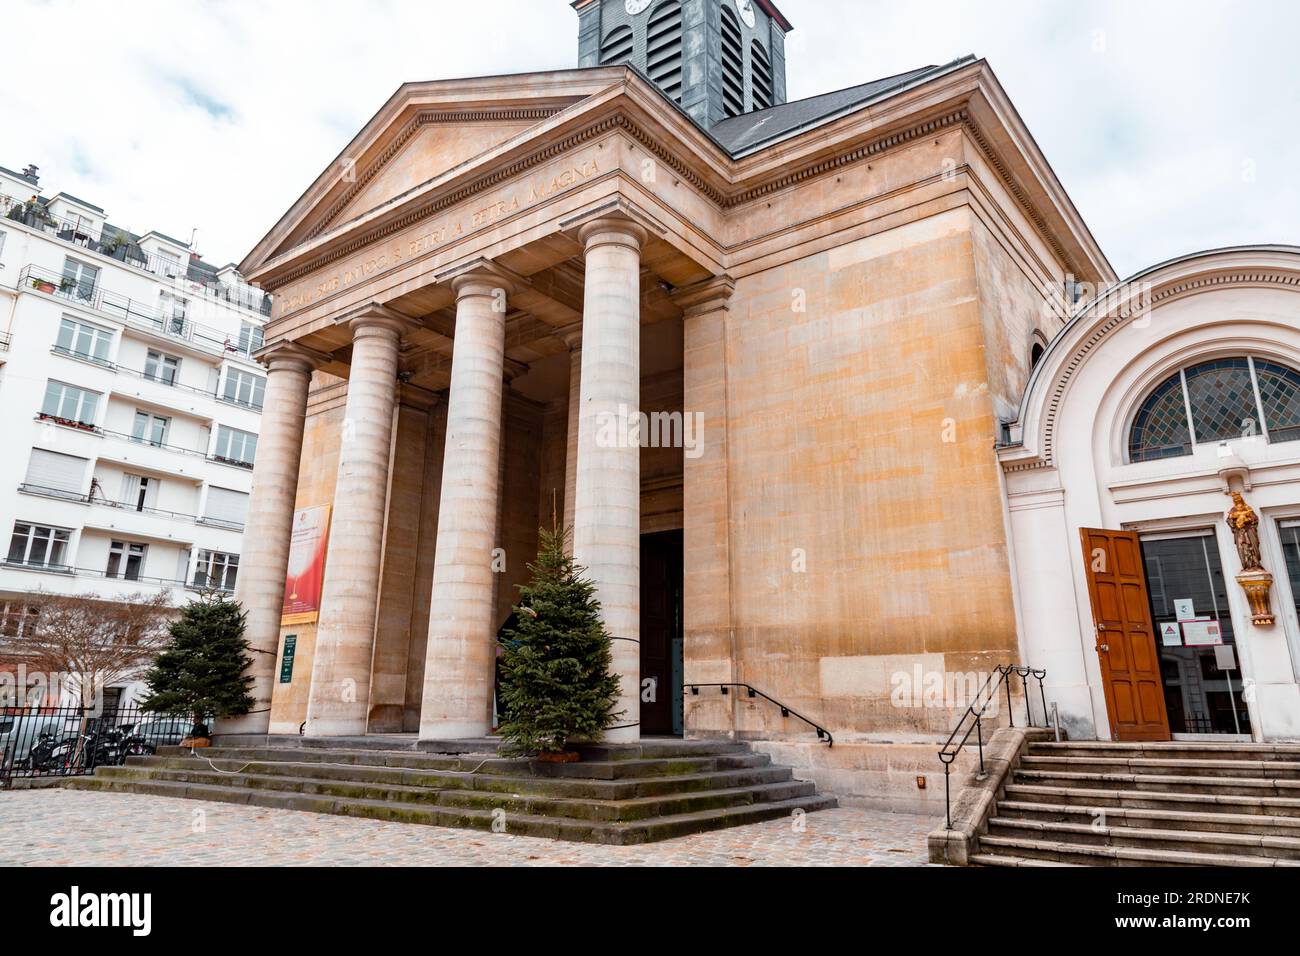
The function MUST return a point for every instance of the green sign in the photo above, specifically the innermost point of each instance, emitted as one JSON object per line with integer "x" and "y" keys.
{"x": 286, "y": 662}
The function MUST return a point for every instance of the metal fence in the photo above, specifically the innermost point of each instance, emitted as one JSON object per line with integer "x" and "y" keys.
{"x": 70, "y": 741}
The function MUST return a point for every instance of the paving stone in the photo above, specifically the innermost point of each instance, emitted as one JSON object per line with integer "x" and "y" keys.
{"x": 86, "y": 828}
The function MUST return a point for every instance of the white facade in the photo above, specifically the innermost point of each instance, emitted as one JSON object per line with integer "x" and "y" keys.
{"x": 1069, "y": 466}
{"x": 130, "y": 406}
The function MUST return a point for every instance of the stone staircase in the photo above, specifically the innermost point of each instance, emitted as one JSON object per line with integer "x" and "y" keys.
{"x": 1147, "y": 804}
{"x": 617, "y": 794}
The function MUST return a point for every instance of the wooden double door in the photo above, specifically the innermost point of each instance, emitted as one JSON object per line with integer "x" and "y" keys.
{"x": 1125, "y": 635}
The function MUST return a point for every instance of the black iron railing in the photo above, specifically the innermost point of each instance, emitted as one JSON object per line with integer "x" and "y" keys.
{"x": 786, "y": 711}
{"x": 38, "y": 741}
{"x": 973, "y": 720}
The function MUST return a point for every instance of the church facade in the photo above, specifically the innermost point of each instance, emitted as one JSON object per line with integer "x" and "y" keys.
{"x": 768, "y": 361}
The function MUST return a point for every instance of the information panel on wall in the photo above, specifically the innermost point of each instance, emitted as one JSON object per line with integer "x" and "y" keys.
{"x": 306, "y": 572}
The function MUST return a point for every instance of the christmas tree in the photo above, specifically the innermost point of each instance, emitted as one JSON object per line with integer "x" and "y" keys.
{"x": 555, "y": 660}
{"x": 201, "y": 672}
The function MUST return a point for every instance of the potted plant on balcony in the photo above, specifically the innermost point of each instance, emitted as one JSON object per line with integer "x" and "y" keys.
{"x": 115, "y": 245}
{"x": 43, "y": 285}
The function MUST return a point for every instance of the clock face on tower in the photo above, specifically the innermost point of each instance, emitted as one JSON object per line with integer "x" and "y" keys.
{"x": 746, "y": 8}
{"x": 634, "y": 7}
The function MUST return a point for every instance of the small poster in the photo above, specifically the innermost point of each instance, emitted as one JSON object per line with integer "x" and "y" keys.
{"x": 306, "y": 571}
{"x": 1225, "y": 657}
{"x": 1185, "y": 609}
{"x": 1171, "y": 634}
{"x": 1203, "y": 632}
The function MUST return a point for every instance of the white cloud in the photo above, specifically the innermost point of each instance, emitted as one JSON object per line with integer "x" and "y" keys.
{"x": 1178, "y": 133}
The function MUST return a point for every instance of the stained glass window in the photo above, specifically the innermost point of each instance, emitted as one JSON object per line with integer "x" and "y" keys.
{"x": 1229, "y": 398}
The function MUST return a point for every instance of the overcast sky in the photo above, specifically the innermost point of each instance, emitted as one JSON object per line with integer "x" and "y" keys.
{"x": 1173, "y": 125}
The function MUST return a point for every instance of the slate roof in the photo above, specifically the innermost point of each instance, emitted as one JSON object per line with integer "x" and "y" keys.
{"x": 749, "y": 131}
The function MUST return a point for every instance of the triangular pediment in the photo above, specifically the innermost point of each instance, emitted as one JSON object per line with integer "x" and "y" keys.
{"x": 424, "y": 131}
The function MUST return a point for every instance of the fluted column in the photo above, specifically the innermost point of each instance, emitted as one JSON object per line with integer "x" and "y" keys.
{"x": 340, "y": 678}
{"x": 607, "y": 508}
{"x": 264, "y": 555}
{"x": 460, "y": 657}
{"x": 573, "y": 340}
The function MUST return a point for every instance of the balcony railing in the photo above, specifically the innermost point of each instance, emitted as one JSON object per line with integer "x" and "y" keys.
{"x": 173, "y": 326}
{"x": 94, "y": 239}
{"x": 140, "y": 440}
{"x": 6, "y": 339}
{"x": 213, "y": 393}
{"x": 63, "y": 494}
{"x": 200, "y": 582}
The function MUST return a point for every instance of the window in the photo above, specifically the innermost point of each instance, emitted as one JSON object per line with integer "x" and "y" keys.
{"x": 83, "y": 340}
{"x": 161, "y": 367}
{"x": 79, "y": 279}
{"x": 125, "y": 560}
{"x": 70, "y": 404}
{"x": 55, "y": 474}
{"x": 244, "y": 388}
{"x": 38, "y": 546}
{"x": 16, "y": 618}
{"x": 1036, "y": 355}
{"x": 215, "y": 569}
{"x": 150, "y": 428}
{"x": 1215, "y": 401}
{"x": 139, "y": 492}
{"x": 251, "y": 338}
{"x": 761, "y": 68}
{"x": 2, "y": 242}
{"x": 236, "y": 446}
{"x": 226, "y": 507}
{"x": 733, "y": 65}
{"x": 664, "y": 48}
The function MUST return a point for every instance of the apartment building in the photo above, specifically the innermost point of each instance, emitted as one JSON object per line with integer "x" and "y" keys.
{"x": 130, "y": 405}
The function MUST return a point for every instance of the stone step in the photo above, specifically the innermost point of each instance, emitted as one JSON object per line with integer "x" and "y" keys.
{"x": 1166, "y": 766}
{"x": 1176, "y": 783}
{"x": 1178, "y": 749}
{"x": 1154, "y": 800}
{"x": 618, "y": 833}
{"x": 1164, "y": 819}
{"x": 487, "y": 763}
{"x": 994, "y": 859}
{"x": 521, "y": 802}
{"x": 571, "y": 787}
{"x": 649, "y": 747}
{"x": 1040, "y": 849}
{"x": 1182, "y": 840}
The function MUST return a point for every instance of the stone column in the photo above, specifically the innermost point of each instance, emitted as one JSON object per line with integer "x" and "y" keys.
{"x": 460, "y": 657}
{"x": 607, "y": 510}
{"x": 339, "y": 701}
{"x": 264, "y": 555}
{"x": 573, "y": 339}
{"x": 708, "y": 629}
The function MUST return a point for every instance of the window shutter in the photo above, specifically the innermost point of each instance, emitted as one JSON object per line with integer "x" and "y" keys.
{"x": 53, "y": 471}
{"x": 226, "y": 507}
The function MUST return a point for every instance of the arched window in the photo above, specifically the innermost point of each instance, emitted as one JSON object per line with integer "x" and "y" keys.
{"x": 733, "y": 64}
{"x": 1037, "y": 350}
{"x": 762, "y": 72}
{"x": 617, "y": 47}
{"x": 664, "y": 48}
{"x": 1214, "y": 401}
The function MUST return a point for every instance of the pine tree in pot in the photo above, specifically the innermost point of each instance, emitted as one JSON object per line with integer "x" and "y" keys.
{"x": 202, "y": 671}
{"x": 555, "y": 661}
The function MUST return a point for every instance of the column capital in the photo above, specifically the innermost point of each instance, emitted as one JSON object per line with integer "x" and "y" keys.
{"x": 481, "y": 276}
{"x": 372, "y": 315}
{"x": 701, "y": 298}
{"x": 291, "y": 356}
{"x": 613, "y": 230}
{"x": 571, "y": 336}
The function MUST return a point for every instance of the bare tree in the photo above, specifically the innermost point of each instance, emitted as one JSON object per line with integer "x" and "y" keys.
{"x": 85, "y": 643}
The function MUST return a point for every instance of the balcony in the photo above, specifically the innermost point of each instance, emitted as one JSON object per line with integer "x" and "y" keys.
{"x": 90, "y": 429}
{"x": 173, "y": 328}
{"x": 119, "y": 246}
{"x": 125, "y": 507}
{"x": 6, "y": 339}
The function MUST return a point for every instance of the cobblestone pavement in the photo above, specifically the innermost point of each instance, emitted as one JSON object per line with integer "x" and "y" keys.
{"x": 81, "y": 828}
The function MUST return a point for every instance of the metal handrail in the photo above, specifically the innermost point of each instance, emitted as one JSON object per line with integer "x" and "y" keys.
{"x": 984, "y": 698}
{"x": 786, "y": 711}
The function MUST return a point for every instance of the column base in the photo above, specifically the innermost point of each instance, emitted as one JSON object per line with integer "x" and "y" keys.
{"x": 248, "y": 724}
{"x": 453, "y": 730}
{"x": 318, "y": 727}
{"x": 623, "y": 735}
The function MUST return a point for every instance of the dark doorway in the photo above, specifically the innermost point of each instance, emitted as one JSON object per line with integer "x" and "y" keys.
{"x": 661, "y": 634}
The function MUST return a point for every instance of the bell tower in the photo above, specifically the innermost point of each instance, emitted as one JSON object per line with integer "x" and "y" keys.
{"x": 716, "y": 58}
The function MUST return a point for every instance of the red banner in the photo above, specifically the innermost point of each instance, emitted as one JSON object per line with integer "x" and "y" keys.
{"x": 307, "y": 546}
